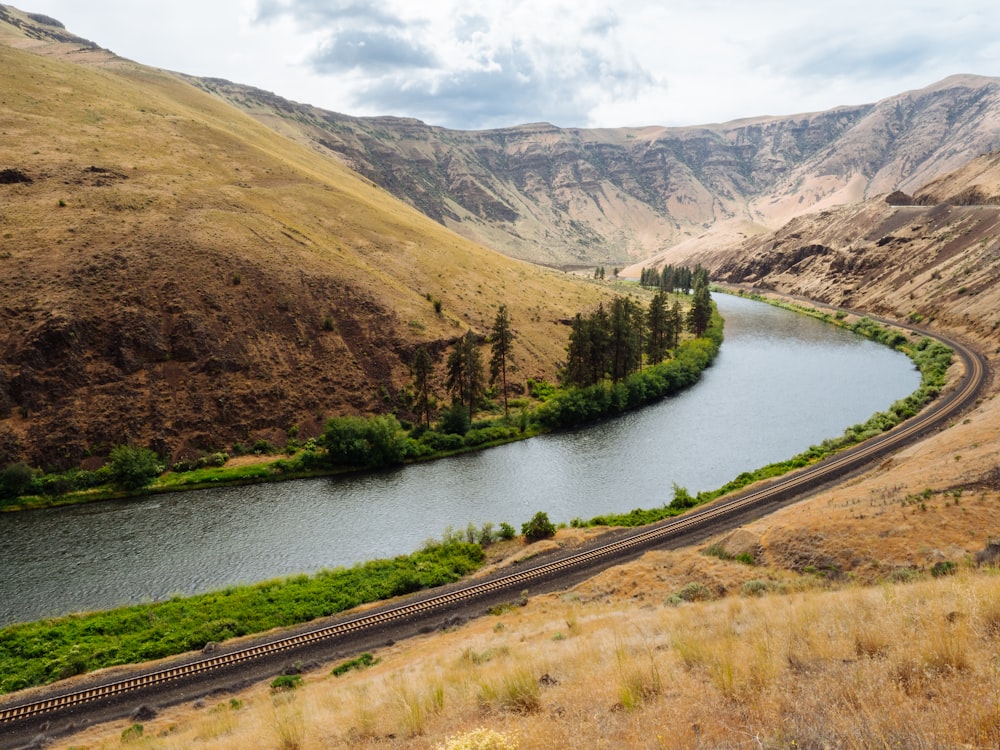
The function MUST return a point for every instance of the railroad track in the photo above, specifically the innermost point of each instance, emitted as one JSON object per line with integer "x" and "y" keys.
{"x": 944, "y": 408}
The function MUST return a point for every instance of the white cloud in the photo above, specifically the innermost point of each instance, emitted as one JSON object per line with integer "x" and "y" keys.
{"x": 584, "y": 63}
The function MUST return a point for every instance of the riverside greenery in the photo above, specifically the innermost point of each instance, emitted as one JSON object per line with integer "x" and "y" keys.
{"x": 932, "y": 359}
{"x": 45, "y": 651}
{"x": 42, "y": 652}
{"x": 363, "y": 443}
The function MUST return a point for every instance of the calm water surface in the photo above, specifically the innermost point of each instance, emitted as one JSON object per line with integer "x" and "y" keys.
{"x": 781, "y": 383}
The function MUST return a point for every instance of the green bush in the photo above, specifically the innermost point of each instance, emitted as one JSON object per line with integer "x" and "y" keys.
{"x": 944, "y": 568}
{"x": 286, "y": 682}
{"x": 16, "y": 480}
{"x": 362, "y": 662}
{"x": 454, "y": 420}
{"x": 682, "y": 498}
{"x": 362, "y": 442}
{"x": 133, "y": 468}
{"x": 437, "y": 441}
{"x": 539, "y": 527}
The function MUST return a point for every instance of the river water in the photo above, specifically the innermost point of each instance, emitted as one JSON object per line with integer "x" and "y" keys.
{"x": 781, "y": 383}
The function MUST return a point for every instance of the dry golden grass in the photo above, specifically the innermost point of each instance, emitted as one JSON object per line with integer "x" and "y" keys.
{"x": 163, "y": 222}
{"x": 903, "y": 665}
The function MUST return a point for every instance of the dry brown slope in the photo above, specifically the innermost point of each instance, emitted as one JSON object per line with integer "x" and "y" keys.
{"x": 176, "y": 274}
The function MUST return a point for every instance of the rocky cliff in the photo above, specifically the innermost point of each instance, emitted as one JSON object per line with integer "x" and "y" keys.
{"x": 577, "y": 197}
{"x": 933, "y": 257}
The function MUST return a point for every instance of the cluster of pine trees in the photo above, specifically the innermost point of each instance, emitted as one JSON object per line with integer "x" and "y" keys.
{"x": 616, "y": 342}
{"x": 465, "y": 377}
{"x": 671, "y": 278}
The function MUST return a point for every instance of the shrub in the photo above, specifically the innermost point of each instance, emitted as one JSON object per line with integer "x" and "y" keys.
{"x": 454, "y": 420}
{"x": 539, "y": 527}
{"x": 695, "y": 592}
{"x": 365, "y": 443}
{"x": 436, "y": 441}
{"x": 682, "y": 498}
{"x": 362, "y": 662}
{"x": 507, "y": 531}
{"x": 133, "y": 468}
{"x": 286, "y": 682}
{"x": 944, "y": 568}
{"x": 16, "y": 480}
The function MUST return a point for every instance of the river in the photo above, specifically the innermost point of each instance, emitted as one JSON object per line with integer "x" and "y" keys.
{"x": 781, "y": 383}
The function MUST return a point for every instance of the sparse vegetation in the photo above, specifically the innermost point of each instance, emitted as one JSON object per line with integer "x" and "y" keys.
{"x": 286, "y": 682}
{"x": 363, "y": 661}
{"x": 850, "y": 668}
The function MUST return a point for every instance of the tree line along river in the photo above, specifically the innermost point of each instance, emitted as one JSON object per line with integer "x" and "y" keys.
{"x": 781, "y": 383}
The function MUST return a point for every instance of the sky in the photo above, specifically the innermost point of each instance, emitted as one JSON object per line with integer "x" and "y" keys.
{"x": 472, "y": 64}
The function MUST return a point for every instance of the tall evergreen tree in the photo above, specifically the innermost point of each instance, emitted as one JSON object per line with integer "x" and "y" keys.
{"x": 700, "y": 312}
{"x": 667, "y": 278}
{"x": 675, "y": 324}
{"x": 656, "y": 328}
{"x": 502, "y": 354}
{"x": 465, "y": 371}
{"x": 599, "y": 331}
{"x": 625, "y": 329}
{"x": 423, "y": 368}
{"x": 578, "y": 355}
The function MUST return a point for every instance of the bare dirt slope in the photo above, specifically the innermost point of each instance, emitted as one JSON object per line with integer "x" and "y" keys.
{"x": 177, "y": 275}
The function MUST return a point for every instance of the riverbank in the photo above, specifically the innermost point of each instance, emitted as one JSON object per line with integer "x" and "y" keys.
{"x": 546, "y": 408}
{"x": 750, "y": 652}
{"x": 195, "y": 625}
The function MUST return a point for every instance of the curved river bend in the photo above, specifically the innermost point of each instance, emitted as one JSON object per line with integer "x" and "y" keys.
{"x": 781, "y": 383}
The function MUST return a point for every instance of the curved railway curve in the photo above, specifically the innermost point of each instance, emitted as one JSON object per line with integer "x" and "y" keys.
{"x": 60, "y": 711}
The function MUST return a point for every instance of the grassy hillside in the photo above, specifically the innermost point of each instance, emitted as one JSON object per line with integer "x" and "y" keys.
{"x": 175, "y": 274}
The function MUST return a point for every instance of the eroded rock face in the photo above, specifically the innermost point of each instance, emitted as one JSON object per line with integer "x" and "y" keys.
{"x": 924, "y": 260}
{"x": 583, "y": 197}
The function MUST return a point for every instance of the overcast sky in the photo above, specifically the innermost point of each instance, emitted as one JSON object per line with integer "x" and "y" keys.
{"x": 475, "y": 64}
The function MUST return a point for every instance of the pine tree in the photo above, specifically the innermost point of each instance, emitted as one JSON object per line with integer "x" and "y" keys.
{"x": 423, "y": 368}
{"x": 700, "y": 313}
{"x": 675, "y": 323}
{"x": 465, "y": 371}
{"x": 599, "y": 332}
{"x": 578, "y": 369}
{"x": 502, "y": 356}
{"x": 625, "y": 328}
{"x": 656, "y": 328}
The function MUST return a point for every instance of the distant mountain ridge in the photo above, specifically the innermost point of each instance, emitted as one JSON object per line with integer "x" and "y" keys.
{"x": 578, "y": 197}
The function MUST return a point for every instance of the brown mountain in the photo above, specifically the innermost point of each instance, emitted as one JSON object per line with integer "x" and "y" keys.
{"x": 178, "y": 275}
{"x": 577, "y": 197}
{"x": 933, "y": 257}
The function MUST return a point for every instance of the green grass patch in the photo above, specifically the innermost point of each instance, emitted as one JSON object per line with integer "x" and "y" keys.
{"x": 42, "y": 652}
{"x": 362, "y": 662}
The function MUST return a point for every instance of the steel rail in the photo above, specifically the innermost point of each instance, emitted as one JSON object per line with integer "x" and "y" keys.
{"x": 784, "y": 488}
